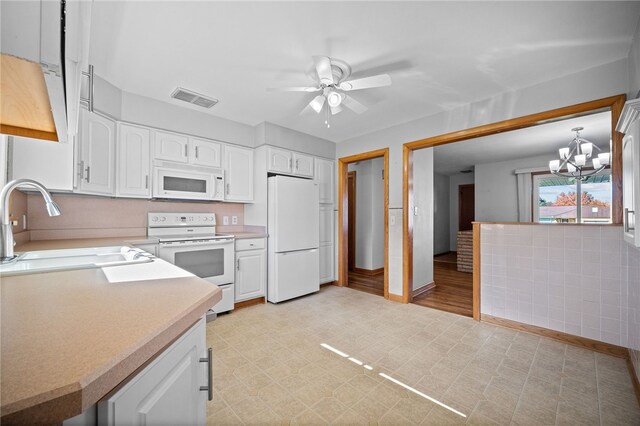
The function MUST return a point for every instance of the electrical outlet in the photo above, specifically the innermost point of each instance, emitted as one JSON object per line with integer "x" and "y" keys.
{"x": 225, "y": 220}
{"x": 234, "y": 220}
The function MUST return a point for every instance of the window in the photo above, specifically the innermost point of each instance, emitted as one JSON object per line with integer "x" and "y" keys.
{"x": 558, "y": 199}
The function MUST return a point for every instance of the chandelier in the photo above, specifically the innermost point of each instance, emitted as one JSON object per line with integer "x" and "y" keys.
{"x": 573, "y": 159}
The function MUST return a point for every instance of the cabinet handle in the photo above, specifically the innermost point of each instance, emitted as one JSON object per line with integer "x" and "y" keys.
{"x": 228, "y": 189}
{"x": 186, "y": 150}
{"x": 290, "y": 163}
{"x": 297, "y": 167}
{"x": 628, "y": 228}
{"x": 196, "y": 152}
{"x": 209, "y": 387}
{"x": 146, "y": 182}
{"x": 238, "y": 264}
{"x": 88, "y": 170}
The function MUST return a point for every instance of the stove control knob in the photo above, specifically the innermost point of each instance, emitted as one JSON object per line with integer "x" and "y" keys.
{"x": 212, "y": 218}
{"x": 204, "y": 219}
{"x": 162, "y": 219}
{"x": 154, "y": 218}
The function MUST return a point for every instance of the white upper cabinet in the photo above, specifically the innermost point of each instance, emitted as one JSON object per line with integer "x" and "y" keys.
{"x": 171, "y": 147}
{"x": 205, "y": 153}
{"x": 325, "y": 176}
{"x": 238, "y": 167}
{"x": 302, "y": 165}
{"x": 280, "y": 160}
{"x": 629, "y": 124}
{"x": 133, "y": 161}
{"x": 96, "y": 154}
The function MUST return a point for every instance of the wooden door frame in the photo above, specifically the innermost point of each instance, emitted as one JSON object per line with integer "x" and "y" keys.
{"x": 343, "y": 164}
{"x": 460, "y": 203}
{"x": 613, "y": 103}
{"x": 351, "y": 247}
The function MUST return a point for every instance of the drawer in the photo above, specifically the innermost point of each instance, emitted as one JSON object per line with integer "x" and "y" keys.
{"x": 228, "y": 299}
{"x": 250, "y": 244}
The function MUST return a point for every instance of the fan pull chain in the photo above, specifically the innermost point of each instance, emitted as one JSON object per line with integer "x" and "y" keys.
{"x": 326, "y": 120}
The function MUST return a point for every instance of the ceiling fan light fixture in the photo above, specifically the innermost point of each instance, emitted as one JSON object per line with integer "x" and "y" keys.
{"x": 334, "y": 99}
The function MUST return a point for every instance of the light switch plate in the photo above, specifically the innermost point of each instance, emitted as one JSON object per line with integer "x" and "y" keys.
{"x": 234, "y": 220}
{"x": 225, "y": 220}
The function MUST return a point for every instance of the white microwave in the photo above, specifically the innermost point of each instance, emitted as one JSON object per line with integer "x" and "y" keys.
{"x": 186, "y": 182}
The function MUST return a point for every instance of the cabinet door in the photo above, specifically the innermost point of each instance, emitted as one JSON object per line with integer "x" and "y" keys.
{"x": 251, "y": 274}
{"x": 167, "y": 391}
{"x": 326, "y": 180}
{"x": 280, "y": 161}
{"x": 326, "y": 263}
{"x": 303, "y": 165}
{"x": 631, "y": 183}
{"x": 133, "y": 161}
{"x": 205, "y": 153}
{"x": 97, "y": 155}
{"x": 238, "y": 166}
{"x": 171, "y": 147}
{"x": 326, "y": 224}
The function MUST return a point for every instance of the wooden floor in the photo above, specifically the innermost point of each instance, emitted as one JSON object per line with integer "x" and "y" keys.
{"x": 454, "y": 290}
{"x": 373, "y": 284}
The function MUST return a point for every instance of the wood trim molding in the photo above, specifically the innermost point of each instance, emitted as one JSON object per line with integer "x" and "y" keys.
{"x": 28, "y": 133}
{"x": 396, "y": 298}
{"x": 369, "y": 271}
{"x": 343, "y": 273}
{"x": 475, "y": 308}
{"x": 250, "y": 302}
{"x": 634, "y": 376}
{"x": 570, "y": 339}
{"x": 422, "y": 290}
{"x": 614, "y": 103}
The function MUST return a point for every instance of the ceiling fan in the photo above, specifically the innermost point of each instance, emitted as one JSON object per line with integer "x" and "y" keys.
{"x": 332, "y": 78}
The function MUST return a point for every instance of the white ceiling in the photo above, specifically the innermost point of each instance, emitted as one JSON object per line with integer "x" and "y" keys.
{"x": 544, "y": 139}
{"x": 439, "y": 54}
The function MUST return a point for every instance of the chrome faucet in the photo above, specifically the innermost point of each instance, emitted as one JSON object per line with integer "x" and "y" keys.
{"x": 6, "y": 233}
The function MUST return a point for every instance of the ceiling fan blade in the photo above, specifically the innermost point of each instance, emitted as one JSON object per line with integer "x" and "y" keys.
{"x": 336, "y": 109}
{"x": 293, "y": 89}
{"x": 366, "y": 82}
{"x": 353, "y": 105}
{"x": 317, "y": 103}
{"x": 323, "y": 68}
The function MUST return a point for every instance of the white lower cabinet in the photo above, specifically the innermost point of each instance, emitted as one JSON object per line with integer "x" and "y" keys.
{"x": 251, "y": 268}
{"x": 168, "y": 390}
{"x": 326, "y": 263}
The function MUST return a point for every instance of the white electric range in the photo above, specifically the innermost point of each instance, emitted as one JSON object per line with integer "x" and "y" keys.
{"x": 190, "y": 241}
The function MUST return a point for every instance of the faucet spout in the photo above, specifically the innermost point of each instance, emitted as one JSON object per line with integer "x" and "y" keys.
{"x": 6, "y": 233}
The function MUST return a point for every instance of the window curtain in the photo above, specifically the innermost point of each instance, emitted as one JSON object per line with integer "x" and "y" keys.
{"x": 523, "y": 179}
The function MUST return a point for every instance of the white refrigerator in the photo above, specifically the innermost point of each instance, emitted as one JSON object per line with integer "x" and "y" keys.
{"x": 293, "y": 228}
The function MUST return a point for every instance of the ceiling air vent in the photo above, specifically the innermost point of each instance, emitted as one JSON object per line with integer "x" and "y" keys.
{"x": 193, "y": 98}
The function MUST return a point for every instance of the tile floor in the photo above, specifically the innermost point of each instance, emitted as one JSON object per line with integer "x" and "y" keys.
{"x": 270, "y": 368}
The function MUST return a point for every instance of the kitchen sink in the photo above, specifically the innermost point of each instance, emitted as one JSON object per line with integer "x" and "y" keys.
{"x": 80, "y": 258}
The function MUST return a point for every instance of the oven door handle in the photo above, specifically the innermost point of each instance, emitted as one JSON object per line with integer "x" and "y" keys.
{"x": 176, "y": 244}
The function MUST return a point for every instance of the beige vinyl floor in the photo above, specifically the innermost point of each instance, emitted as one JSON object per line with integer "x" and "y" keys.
{"x": 276, "y": 364}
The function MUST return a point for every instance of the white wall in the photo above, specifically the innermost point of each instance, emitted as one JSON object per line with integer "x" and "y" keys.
{"x": 423, "y": 218}
{"x": 369, "y": 213}
{"x": 455, "y": 181}
{"x": 634, "y": 66}
{"x": 441, "y": 214}
{"x": 107, "y": 97}
{"x": 595, "y": 83}
{"x": 54, "y": 159}
{"x": 496, "y": 188}
{"x": 272, "y": 134}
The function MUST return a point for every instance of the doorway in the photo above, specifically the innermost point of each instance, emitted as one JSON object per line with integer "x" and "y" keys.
{"x": 613, "y": 104}
{"x": 466, "y": 206}
{"x": 363, "y": 222}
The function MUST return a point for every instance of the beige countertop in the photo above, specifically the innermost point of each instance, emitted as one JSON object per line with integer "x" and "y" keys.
{"x": 70, "y": 337}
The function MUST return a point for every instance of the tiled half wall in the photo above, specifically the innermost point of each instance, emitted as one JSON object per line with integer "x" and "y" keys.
{"x": 95, "y": 217}
{"x": 581, "y": 280}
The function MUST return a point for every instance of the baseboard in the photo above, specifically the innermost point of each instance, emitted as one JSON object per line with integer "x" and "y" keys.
{"x": 425, "y": 288}
{"x": 329, "y": 283}
{"x": 396, "y": 298}
{"x": 368, "y": 271}
{"x": 583, "y": 342}
{"x": 250, "y": 302}
{"x": 634, "y": 376}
